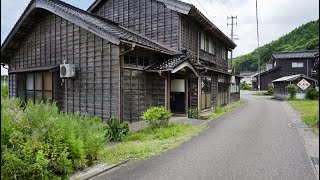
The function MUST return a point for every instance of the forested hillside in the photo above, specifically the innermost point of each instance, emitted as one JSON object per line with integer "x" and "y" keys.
{"x": 305, "y": 37}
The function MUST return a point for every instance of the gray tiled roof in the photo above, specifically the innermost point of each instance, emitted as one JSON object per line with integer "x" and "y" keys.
{"x": 295, "y": 54}
{"x": 169, "y": 64}
{"x": 108, "y": 26}
{"x": 102, "y": 27}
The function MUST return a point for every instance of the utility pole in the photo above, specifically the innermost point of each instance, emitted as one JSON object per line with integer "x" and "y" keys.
{"x": 259, "y": 80}
{"x": 232, "y": 36}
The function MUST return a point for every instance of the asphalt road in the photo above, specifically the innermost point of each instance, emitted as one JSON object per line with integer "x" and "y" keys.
{"x": 252, "y": 143}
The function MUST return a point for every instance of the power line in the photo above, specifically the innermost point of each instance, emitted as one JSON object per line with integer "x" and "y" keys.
{"x": 205, "y": 11}
{"x": 225, "y": 5}
{"x": 231, "y": 7}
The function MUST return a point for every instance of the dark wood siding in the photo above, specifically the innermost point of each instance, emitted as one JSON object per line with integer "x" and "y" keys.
{"x": 147, "y": 17}
{"x": 286, "y": 69}
{"x": 141, "y": 90}
{"x": 189, "y": 40}
{"x": 95, "y": 89}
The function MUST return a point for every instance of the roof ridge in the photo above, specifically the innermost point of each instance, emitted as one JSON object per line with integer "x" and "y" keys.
{"x": 280, "y": 52}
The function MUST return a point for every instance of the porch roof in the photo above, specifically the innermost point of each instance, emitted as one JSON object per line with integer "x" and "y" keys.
{"x": 292, "y": 78}
{"x": 173, "y": 64}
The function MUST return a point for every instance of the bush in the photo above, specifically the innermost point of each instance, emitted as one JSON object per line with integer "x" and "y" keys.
{"x": 157, "y": 116}
{"x": 312, "y": 94}
{"x": 4, "y": 91}
{"x": 39, "y": 142}
{"x": 270, "y": 90}
{"x": 193, "y": 113}
{"x": 244, "y": 86}
{"x": 116, "y": 129}
{"x": 292, "y": 89}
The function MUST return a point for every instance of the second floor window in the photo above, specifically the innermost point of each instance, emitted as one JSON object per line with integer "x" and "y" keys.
{"x": 297, "y": 64}
{"x": 223, "y": 53}
{"x": 207, "y": 44}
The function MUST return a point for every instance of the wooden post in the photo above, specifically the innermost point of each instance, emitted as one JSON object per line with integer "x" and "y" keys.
{"x": 169, "y": 90}
{"x": 199, "y": 93}
{"x": 187, "y": 95}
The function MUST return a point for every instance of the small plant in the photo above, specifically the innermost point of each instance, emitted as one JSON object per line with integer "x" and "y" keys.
{"x": 193, "y": 113}
{"x": 117, "y": 130}
{"x": 219, "y": 109}
{"x": 292, "y": 89}
{"x": 312, "y": 94}
{"x": 156, "y": 116}
{"x": 4, "y": 91}
{"x": 244, "y": 86}
{"x": 270, "y": 90}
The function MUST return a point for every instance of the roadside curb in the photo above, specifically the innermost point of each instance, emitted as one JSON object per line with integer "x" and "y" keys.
{"x": 302, "y": 136}
{"x": 95, "y": 173}
{"x": 223, "y": 116}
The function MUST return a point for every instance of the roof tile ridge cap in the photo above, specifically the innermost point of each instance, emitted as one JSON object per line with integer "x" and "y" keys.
{"x": 149, "y": 39}
{"x": 79, "y": 10}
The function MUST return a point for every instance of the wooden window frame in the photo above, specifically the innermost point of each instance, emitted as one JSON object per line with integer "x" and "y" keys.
{"x": 34, "y": 86}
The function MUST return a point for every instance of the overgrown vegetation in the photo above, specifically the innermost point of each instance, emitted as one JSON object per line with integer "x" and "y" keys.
{"x": 312, "y": 94}
{"x": 221, "y": 110}
{"x": 149, "y": 142}
{"x": 116, "y": 130}
{"x": 4, "y": 91}
{"x": 244, "y": 86}
{"x": 292, "y": 89}
{"x": 305, "y": 37}
{"x": 310, "y": 111}
{"x": 194, "y": 113}
{"x": 157, "y": 116}
{"x": 39, "y": 142}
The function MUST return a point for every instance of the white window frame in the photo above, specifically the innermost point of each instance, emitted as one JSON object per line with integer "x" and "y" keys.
{"x": 297, "y": 64}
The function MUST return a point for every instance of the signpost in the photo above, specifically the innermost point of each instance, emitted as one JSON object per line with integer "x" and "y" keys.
{"x": 303, "y": 84}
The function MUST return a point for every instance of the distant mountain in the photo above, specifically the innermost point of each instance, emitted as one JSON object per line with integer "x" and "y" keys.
{"x": 305, "y": 37}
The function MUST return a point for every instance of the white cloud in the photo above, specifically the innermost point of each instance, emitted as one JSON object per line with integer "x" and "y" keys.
{"x": 276, "y": 18}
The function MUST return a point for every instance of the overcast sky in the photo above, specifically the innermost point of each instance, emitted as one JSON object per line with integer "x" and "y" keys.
{"x": 276, "y": 17}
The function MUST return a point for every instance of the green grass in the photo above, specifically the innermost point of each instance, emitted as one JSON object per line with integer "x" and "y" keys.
{"x": 149, "y": 142}
{"x": 221, "y": 110}
{"x": 310, "y": 111}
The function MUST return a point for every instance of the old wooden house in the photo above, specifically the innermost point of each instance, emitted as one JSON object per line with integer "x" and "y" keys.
{"x": 128, "y": 55}
{"x": 290, "y": 63}
{"x": 303, "y": 82}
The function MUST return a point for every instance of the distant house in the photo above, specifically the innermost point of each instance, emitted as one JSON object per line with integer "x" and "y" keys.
{"x": 304, "y": 83}
{"x": 247, "y": 77}
{"x": 290, "y": 63}
{"x": 119, "y": 58}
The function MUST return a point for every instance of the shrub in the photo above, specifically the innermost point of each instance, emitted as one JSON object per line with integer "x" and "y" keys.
{"x": 292, "y": 89}
{"x": 116, "y": 129}
{"x": 157, "y": 116}
{"x": 39, "y": 142}
{"x": 4, "y": 91}
{"x": 244, "y": 86}
{"x": 312, "y": 94}
{"x": 193, "y": 113}
{"x": 270, "y": 90}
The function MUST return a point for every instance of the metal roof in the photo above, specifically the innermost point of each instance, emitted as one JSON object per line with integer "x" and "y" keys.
{"x": 104, "y": 28}
{"x": 295, "y": 54}
{"x": 292, "y": 78}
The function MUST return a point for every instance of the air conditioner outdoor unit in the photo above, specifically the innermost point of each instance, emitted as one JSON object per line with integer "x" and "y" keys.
{"x": 67, "y": 71}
